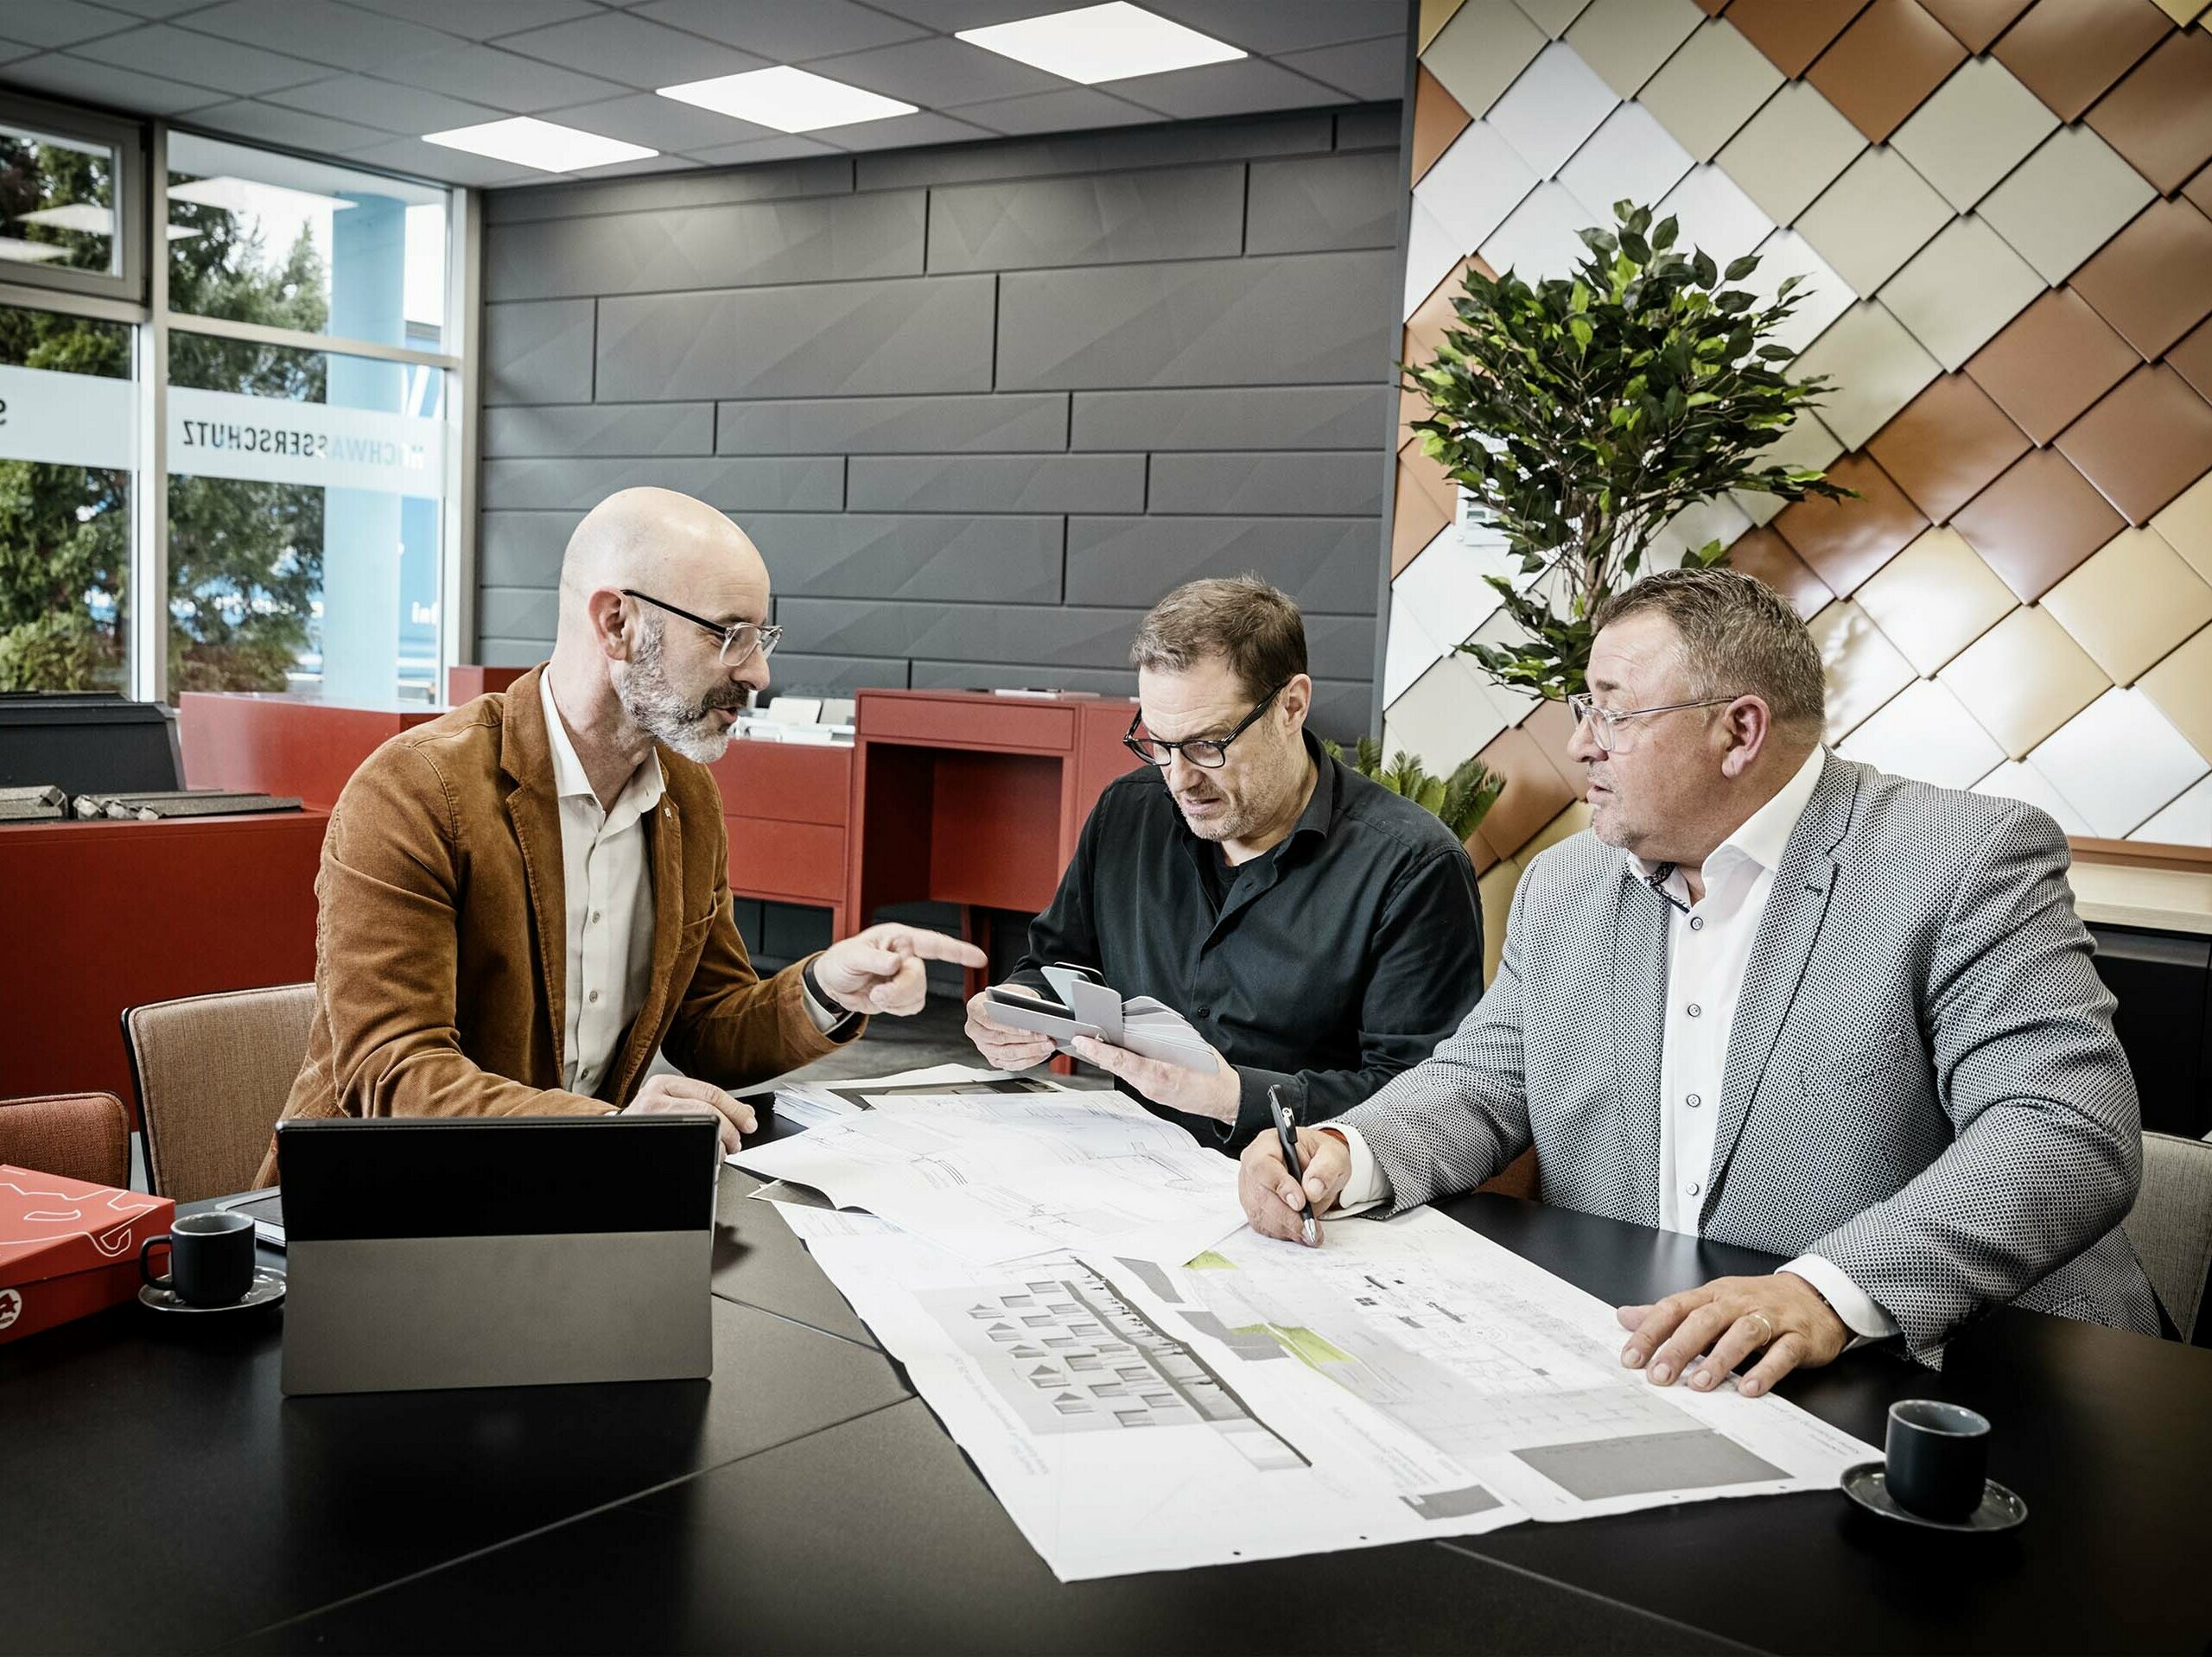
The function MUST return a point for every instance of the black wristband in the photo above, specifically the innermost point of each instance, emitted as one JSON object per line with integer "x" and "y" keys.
{"x": 821, "y": 999}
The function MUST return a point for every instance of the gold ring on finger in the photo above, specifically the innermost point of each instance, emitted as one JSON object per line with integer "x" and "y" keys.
{"x": 1766, "y": 1325}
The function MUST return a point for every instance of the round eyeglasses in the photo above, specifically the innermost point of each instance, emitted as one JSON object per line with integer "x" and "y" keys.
{"x": 1209, "y": 753}
{"x": 739, "y": 640}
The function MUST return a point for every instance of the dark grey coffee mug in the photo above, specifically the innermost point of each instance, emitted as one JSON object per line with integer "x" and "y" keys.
{"x": 211, "y": 1258}
{"x": 1938, "y": 1459}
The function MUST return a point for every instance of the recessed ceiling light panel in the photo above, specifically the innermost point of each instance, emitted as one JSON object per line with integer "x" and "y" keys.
{"x": 1107, "y": 42}
{"x": 526, "y": 141}
{"x": 790, "y": 100}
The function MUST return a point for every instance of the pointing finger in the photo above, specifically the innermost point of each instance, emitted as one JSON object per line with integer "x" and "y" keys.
{"x": 936, "y": 946}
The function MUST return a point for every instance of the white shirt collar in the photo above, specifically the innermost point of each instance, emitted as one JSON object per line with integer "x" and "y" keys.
{"x": 640, "y": 794}
{"x": 1763, "y": 836}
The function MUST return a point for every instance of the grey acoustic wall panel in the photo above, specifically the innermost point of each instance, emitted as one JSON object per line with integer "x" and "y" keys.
{"x": 978, "y": 406}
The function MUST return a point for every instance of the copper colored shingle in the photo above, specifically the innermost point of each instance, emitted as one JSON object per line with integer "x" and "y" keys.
{"x": 2051, "y": 362}
{"x": 1766, "y": 556}
{"x": 1426, "y": 500}
{"x": 2199, "y": 190}
{"x": 1534, "y": 791}
{"x": 2146, "y": 441}
{"x": 1553, "y": 727}
{"x": 1792, "y": 33}
{"x": 2070, "y": 52}
{"x": 2160, "y": 115}
{"x": 2192, "y": 360}
{"x": 1882, "y": 67}
{"x": 2037, "y": 523}
{"x": 1946, "y": 444}
{"x": 1437, "y": 119}
{"x": 2153, "y": 281}
{"x": 1976, "y": 23}
{"x": 1846, "y": 541}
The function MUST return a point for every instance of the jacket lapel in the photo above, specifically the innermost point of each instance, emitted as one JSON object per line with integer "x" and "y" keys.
{"x": 1796, "y": 904}
{"x": 663, "y": 828}
{"x": 526, "y": 757}
{"x": 1638, "y": 1002}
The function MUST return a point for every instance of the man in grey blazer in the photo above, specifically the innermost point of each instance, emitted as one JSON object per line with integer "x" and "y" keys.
{"x": 1776, "y": 999}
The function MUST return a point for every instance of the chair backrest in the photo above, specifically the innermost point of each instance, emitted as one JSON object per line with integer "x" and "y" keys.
{"x": 214, "y": 1072}
{"x": 77, "y": 1135}
{"x": 2171, "y": 1228}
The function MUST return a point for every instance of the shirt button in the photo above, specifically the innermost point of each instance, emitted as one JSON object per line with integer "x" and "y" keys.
{"x": 594, "y": 996}
{"x": 1202, "y": 1012}
{"x": 1693, "y": 1009}
{"x": 1697, "y": 922}
{"x": 1692, "y": 1189}
{"x": 1694, "y": 1102}
{"x": 594, "y": 917}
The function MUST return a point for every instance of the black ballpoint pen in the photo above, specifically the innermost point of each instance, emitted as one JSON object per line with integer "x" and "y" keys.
{"x": 1287, "y": 1134}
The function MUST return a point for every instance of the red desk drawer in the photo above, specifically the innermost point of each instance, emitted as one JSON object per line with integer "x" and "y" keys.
{"x": 967, "y": 723}
{"x": 786, "y": 782}
{"x": 804, "y": 861}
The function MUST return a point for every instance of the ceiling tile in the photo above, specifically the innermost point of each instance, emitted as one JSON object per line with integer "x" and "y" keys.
{"x": 61, "y": 23}
{"x": 2160, "y": 114}
{"x": 178, "y": 55}
{"x": 1370, "y": 70}
{"x": 2131, "y": 604}
{"x": 485, "y": 74}
{"x": 2187, "y": 526}
{"x": 941, "y": 71}
{"x": 1554, "y": 17}
{"x": 446, "y": 166}
{"x": 1877, "y": 215}
{"x": 2147, "y": 440}
{"x": 1765, "y": 556}
{"x": 1248, "y": 87}
{"x": 1926, "y": 733}
{"x": 381, "y": 103}
{"x": 1874, "y": 368}
{"x": 622, "y": 45}
{"x": 1626, "y": 40}
{"x": 2036, "y": 524}
{"x": 2150, "y": 281}
{"x": 152, "y": 7}
{"x": 1477, "y": 182}
{"x": 1956, "y": 292}
{"x": 1946, "y": 445}
{"x": 1071, "y": 110}
{"x": 657, "y": 123}
{"x": 1556, "y": 104}
{"x": 479, "y": 20}
{"x": 1534, "y": 791}
{"x": 2068, "y": 54}
{"x": 71, "y": 77}
{"x": 1977, "y": 127}
{"x": 1439, "y": 118}
{"x": 2181, "y": 688}
{"x": 902, "y": 132}
{"x": 1820, "y": 297}
{"x": 2050, "y": 362}
{"x": 1631, "y": 158}
{"x": 1542, "y": 238}
{"x": 318, "y": 29}
{"x": 1443, "y": 717}
{"x": 1805, "y": 446}
{"x": 1863, "y": 668}
{"x": 2023, "y": 678}
{"x": 1790, "y": 151}
{"x": 1846, "y": 541}
{"x": 1279, "y": 25}
{"x": 2186, "y": 822}
{"x": 295, "y": 129}
{"x": 946, "y": 15}
{"x": 2119, "y": 761}
{"x": 1715, "y": 214}
{"x": 1709, "y": 88}
{"x": 1482, "y": 49}
{"x": 784, "y": 146}
{"x": 1792, "y": 33}
{"x": 784, "y": 31}
{"x": 1885, "y": 66}
{"x": 2065, "y": 201}
{"x": 1935, "y": 599}
{"x": 2192, "y": 359}
{"x": 1976, "y": 23}
{"x": 2015, "y": 781}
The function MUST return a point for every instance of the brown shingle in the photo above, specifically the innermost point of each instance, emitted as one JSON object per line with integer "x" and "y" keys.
{"x": 1425, "y": 502}
{"x": 2153, "y": 281}
{"x": 1976, "y": 23}
{"x": 2146, "y": 441}
{"x": 2050, "y": 362}
{"x": 1792, "y": 33}
{"x": 1764, "y": 555}
{"x": 1437, "y": 119}
{"x": 2037, "y": 523}
{"x": 2160, "y": 115}
{"x": 2192, "y": 360}
{"x": 1846, "y": 541}
{"x": 1945, "y": 445}
{"x": 2070, "y": 52}
{"x": 1881, "y": 68}
{"x": 1534, "y": 791}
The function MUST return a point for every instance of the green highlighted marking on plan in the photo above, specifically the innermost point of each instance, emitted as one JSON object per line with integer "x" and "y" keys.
{"x": 1309, "y": 1347}
{"x": 1210, "y": 1261}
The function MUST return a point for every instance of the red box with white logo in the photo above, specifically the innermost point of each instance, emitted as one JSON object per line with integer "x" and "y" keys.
{"x": 67, "y": 1249}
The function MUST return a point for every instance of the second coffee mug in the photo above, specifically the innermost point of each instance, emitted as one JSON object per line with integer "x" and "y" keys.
{"x": 211, "y": 1258}
{"x": 1938, "y": 1459}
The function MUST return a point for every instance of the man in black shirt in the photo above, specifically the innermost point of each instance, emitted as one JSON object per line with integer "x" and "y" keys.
{"x": 1320, "y": 932}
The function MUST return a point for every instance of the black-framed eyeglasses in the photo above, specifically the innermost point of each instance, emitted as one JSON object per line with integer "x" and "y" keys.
{"x": 739, "y": 640}
{"x": 1210, "y": 753}
{"x": 1606, "y": 728}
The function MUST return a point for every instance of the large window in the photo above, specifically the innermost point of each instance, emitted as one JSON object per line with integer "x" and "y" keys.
{"x": 283, "y": 376}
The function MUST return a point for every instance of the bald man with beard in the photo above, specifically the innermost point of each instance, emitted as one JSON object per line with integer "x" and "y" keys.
{"x": 523, "y": 901}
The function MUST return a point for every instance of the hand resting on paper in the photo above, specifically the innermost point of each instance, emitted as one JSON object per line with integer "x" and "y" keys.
{"x": 1215, "y": 1093}
{"x": 1272, "y": 1200}
{"x": 1725, "y": 1321}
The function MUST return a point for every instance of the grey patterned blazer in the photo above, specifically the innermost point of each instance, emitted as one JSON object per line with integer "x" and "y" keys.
{"x": 1921, "y": 1085}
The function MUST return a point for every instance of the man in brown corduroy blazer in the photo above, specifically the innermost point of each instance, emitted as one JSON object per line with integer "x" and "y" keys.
{"x": 524, "y": 900}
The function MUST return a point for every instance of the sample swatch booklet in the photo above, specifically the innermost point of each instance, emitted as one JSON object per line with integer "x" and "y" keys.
{"x": 1082, "y": 1004}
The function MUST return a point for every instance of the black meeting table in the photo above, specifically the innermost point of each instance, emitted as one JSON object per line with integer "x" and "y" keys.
{"x": 157, "y": 1494}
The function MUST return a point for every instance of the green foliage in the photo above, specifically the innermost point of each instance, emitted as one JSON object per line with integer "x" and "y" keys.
{"x": 1461, "y": 800}
{"x": 1584, "y": 412}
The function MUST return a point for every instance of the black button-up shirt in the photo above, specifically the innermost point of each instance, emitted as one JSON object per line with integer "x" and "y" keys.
{"x": 1331, "y": 963}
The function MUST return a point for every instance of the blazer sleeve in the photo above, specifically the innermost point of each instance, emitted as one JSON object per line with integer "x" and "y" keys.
{"x": 387, "y": 947}
{"x": 2048, "y": 1152}
{"x": 1454, "y": 1119}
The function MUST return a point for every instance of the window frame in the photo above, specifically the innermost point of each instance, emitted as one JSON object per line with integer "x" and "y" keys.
{"x": 127, "y": 139}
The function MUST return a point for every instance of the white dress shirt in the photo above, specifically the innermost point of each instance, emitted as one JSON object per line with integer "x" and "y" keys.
{"x": 1709, "y": 948}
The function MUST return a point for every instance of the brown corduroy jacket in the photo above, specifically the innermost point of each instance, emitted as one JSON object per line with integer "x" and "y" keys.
{"x": 440, "y": 942}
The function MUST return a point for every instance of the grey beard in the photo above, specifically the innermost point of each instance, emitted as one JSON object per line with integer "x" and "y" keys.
{"x": 690, "y": 727}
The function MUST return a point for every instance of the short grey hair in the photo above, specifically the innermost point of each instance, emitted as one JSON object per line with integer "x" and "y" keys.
{"x": 1256, "y": 627}
{"x": 1739, "y": 638}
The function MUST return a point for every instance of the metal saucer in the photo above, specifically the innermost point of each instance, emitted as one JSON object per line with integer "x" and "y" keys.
{"x": 268, "y": 1289}
{"x": 2000, "y": 1509}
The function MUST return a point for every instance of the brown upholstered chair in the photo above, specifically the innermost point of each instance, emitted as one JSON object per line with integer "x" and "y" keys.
{"x": 77, "y": 1135}
{"x": 214, "y": 1072}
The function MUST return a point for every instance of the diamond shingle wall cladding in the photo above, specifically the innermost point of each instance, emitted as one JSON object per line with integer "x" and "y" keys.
{"x": 2003, "y": 209}
{"x": 980, "y": 406}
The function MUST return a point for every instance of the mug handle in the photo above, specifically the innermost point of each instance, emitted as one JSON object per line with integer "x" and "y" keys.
{"x": 161, "y": 1241}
